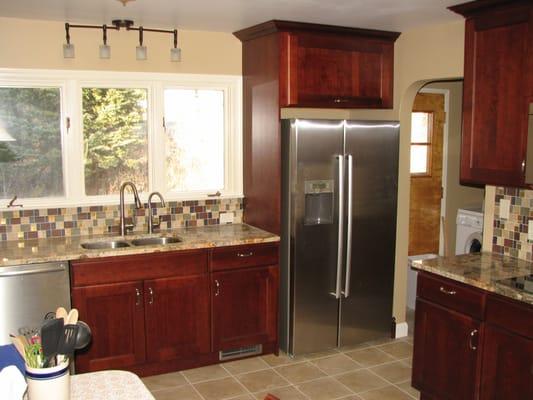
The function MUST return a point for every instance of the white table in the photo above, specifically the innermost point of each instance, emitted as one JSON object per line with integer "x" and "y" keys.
{"x": 108, "y": 385}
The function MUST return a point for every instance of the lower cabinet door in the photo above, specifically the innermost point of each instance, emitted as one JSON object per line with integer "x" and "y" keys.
{"x": 446, "y": 356}
{"x": 245, "y": 306}
{"x": 115, "y": 313}
{"x": 177, "y": 317}
{"x": 507, "y": 366}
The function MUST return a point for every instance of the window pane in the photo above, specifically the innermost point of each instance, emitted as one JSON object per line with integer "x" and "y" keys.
{"x": 115, "y": 139}
{"x": 419, "y": 159}
{"x": 420, "y": 127}
{"x": 30, "y": 143}
{"x": 194, "y": 121}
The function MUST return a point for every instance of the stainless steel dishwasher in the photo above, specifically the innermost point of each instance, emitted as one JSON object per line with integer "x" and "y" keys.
{"x": 28, "y": 293}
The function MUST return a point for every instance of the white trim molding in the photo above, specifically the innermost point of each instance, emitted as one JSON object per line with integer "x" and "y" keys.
{"x": 401, "y": 330}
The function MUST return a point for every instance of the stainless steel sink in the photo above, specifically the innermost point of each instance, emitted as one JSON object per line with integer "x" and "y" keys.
{"x": 155, "y": 240}
{"x": 113, "y": 244}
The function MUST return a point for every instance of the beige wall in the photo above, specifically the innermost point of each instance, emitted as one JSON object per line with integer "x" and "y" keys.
{"x": 457, "y": 195}
{"x": 422, "y": 55}
{"x": 38, "y": 44}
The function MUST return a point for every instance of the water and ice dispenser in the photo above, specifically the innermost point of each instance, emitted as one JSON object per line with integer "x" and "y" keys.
{"x": 318, "y": 202}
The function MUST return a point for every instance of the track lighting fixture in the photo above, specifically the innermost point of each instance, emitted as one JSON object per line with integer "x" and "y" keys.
{"x": 141, "y": 52}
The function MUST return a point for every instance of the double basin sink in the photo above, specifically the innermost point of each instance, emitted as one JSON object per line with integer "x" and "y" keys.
{"x": 117, "y": 244}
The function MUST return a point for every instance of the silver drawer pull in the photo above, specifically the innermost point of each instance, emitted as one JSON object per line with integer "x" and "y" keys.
{"x": 217, "y": 286}
{"x": 151, "y": 293}
{"x": 450, "y": 292}
{"x": 249, "y": 254}
{"x": 471, "y": 340}
{"x": 137, "y": 297}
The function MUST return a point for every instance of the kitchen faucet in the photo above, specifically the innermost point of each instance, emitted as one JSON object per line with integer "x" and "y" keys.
{"x": 123, "y": 227}
{"x": 151, "y": 224}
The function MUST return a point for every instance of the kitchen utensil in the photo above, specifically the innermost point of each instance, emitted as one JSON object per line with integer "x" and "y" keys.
{"x": 67, "y": 344}
{"x": 83, "y": 337}
{"x": 61, "y": 313}
{"x": 51, "y": 333}
{"x": 19, "y": 346}
{"x": 72, "y": 317}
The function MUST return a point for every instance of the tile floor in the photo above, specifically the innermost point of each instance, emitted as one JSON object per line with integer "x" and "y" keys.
{"x": 379, "y": 370}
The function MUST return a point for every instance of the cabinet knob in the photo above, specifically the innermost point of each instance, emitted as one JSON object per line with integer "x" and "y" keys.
{"x": 445, "y": 291}
{"x": 151, "y": 293}
{"x": 340, "y": 101}
{"x": 217, "y": 287}
{"x": 137, "y": 297}
{"x": 471, "y": 340}
{"x": 249, "y": 254}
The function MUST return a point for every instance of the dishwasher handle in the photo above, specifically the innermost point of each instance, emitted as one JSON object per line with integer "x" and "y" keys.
{"x": 17, "y": 270}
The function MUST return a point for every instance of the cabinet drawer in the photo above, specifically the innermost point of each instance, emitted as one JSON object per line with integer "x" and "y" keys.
{"x": 223, "y": 258}
{"x": 510, "y": 315}
{"x": 451, "y": 294}
{"x": 138, "y": 267}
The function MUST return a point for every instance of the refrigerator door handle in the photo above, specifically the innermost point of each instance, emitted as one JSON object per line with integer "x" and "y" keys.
{"x": 349, "y": 215}
{"x": 337, "y": 293}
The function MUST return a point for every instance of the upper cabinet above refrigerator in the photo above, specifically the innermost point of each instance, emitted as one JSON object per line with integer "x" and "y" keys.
{"x": 327, "y": 66}
{"x": 498, "y": 91}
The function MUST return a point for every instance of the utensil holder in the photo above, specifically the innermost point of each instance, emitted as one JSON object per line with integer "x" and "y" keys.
{"x": 48, "y": 383}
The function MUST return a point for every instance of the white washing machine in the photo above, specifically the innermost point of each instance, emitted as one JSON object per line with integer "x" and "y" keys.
{"x": 469, "y": 237}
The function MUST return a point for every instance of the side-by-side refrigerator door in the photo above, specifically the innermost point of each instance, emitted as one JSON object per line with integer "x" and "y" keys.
{"x": 371, "y": 179}
{"x": 316, "y": 165}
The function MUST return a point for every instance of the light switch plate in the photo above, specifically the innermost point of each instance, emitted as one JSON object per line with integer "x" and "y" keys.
{"x": 226, "y": 218}
{"x": 530, "y": 230}
{"x": 505, "y": 205}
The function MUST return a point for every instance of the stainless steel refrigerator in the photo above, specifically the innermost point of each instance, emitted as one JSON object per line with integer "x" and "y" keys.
{"x": 338, "y": 235}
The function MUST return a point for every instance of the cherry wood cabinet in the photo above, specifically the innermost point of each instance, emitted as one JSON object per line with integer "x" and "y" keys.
{"x": 177, "y": 317}
{"x": 446, "y": 358}
{"x": 115, "y": 313}
{"x": 498, "y": 83}
{"x": 162, "y": 312}
{"x": 507, "y": 365}
{"x": 292, "y": 64}
{"x": 245, "y": 307}
{"x": 470, "y": 344}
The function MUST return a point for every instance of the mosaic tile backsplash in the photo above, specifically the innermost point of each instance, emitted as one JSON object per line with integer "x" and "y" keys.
{"x": 79, "y": 221}
{"x": 510, "y": 235}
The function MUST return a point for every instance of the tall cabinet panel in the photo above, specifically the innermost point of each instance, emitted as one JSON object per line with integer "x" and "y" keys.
{"x": 498, "y": 49}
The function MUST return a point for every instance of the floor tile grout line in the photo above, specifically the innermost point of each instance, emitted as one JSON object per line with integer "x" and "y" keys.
{"x": 336, "y": 380}
{"x": 238, "y": 381}
{"x": 193, "y": 387}
{"x": 390, "y": 382}
{"x": 292, "y": 384}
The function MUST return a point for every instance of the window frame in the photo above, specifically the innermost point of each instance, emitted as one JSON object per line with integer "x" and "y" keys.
{"x": 428, "y": 144}
{"x": 71, "y": 83}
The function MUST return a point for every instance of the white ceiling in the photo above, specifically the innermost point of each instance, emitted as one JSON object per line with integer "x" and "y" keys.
{"x": 232, "y": 15}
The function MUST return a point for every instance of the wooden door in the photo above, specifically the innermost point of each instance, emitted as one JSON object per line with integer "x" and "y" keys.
{"x": 177, "y": 317}
{"x": 495, "y": 104}
{"x": 335, "y": 70}
{"x": 446, "y": 355}
{"x": 426, "y": 184}
{"x": 245, "y": 307}
{"x": 507, "y": 366}
{"x": 115, "y": 313}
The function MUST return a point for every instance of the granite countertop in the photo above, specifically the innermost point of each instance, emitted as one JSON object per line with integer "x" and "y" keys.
{"x": 69, "y": 248}
{"x": 482, "y": 270}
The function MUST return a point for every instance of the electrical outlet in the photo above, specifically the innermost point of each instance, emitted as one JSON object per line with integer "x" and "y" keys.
{"x": 530, "y": 230}
{"x": 226, "y": 218}
{"x": 505, "y": 206}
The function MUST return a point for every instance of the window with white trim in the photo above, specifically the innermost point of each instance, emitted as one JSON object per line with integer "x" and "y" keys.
{"x": 70, "y": 138}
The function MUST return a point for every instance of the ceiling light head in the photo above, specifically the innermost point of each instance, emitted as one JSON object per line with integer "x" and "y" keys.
{"x": 68, "y": 48}
{"x": 124, "y": 2}
{"x": 140, "y": 50}
{"x": 122, "y": 23}
{"x": 175, "y": 52}
{"x": 105, "y": 50}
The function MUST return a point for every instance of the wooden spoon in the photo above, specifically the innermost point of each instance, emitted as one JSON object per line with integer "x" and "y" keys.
{"x": 72, "y": 317}
{"x": 62, "y": 313}
{"x": 19, "y": 346}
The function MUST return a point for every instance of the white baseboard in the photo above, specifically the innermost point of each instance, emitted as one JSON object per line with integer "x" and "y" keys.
{"x": 401, "y": 330}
